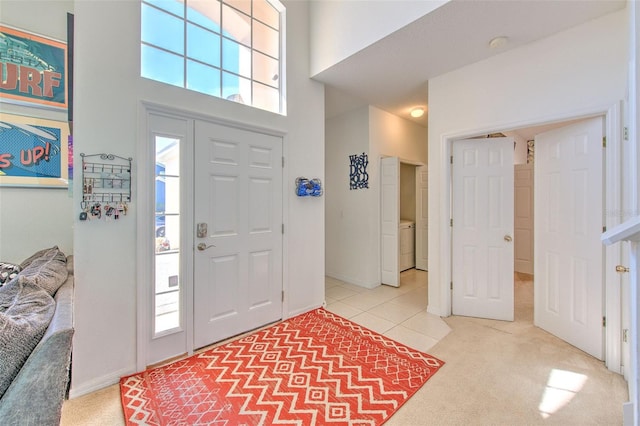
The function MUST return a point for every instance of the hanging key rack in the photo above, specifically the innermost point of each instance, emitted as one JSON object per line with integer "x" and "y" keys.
{"x": 106, "y": 186}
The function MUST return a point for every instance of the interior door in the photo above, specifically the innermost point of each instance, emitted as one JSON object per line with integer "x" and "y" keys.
{"x": 482, "y": 229}
{"x": 390, "y": 220}
{"x": 523, "y": 232}
{"x": 238, "y": 216}
{"x": 568, "y": 270}
{"x": 422, "y": 241}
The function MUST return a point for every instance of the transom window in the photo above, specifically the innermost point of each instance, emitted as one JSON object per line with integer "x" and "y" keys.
{"x": 230, "y": 49}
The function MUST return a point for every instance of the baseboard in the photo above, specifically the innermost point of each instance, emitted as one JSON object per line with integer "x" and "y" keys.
{"x": 98, "y": 383}
{"x": 308, "y": 308}
{"x": 627, "y": 414}
{"x": 350, "y": 280}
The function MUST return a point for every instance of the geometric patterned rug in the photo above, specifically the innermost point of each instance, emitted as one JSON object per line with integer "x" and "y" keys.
{"x": 314, "y": 369}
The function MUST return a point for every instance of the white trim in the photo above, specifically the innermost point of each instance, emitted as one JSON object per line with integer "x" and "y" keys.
{"x": 99, "y": 383}
{"x": 143, "y": 242}
{"x": 195, "y": 115}
{"x": 612, "y": 254}
{"x": 612, "y": 115}
{"x": 352, "y": 280}
{"x": 187, "y": 255}
{"x": 285, "y": 221}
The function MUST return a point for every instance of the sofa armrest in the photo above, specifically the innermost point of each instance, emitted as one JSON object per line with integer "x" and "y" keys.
{"x": 36, "y": 395}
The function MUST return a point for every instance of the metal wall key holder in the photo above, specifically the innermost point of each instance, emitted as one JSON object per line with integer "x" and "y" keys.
{"x": 106, "y": 186}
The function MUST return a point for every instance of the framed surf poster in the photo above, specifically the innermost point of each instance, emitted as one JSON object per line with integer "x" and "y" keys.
{"x": 33, "y": 152}
{"x": 34, "y": 69}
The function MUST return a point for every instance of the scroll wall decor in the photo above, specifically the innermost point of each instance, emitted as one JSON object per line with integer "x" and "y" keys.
{"x": 358, "y": 176}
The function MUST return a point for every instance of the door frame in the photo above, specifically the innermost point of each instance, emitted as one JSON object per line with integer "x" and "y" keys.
{"x": 613, "y": 120}
{"x": 143, "y": 169}
{"x": 415, "y": 164}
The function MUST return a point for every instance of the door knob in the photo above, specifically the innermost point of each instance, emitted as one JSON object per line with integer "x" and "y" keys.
{"x": 508, "y": 238}
{"x": 620, "y": 268}
{"x": 203, "y": 246}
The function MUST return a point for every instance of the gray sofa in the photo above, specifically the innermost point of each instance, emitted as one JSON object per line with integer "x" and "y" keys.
{"x": 35, "y": 395}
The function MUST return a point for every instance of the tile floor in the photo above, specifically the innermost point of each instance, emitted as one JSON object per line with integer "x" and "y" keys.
{"x": 399, "y": 313}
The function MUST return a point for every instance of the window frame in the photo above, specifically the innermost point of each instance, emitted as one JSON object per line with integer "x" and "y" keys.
{"x": 252, "y": 78}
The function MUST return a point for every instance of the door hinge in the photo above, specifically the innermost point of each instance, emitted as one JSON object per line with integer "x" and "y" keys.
{"x": 604, "y": 321}
{"x": 283, "y": 228}
{"x": 451, "y": 159}
{"x": 451, "y": 222}
{"x": 604, "y": 229}
{"x": 624, "y": 335}
{"x": 604, "y": 141}
{"x": 283, "y": 162}
{"x": 283, "y": 295}
{"x": 451, "y": 285}
{"x": 625, "y": 133}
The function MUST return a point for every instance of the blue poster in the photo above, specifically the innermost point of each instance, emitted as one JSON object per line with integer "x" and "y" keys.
{"x": 30, "y": 151}
{"x": 33, "y": 69}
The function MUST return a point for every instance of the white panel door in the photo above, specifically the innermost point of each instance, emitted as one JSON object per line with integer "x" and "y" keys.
{"x": 523, "y": 232}
{"x": 422, "y": 241}
{"x": 568, "y": 269}
{"x": 482, "y": 264}
{"x": 390, "y": 220}
{"x": 238, "y": 266}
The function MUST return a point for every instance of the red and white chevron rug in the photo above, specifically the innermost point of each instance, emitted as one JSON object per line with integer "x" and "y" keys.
{"x": 313, "y": 369}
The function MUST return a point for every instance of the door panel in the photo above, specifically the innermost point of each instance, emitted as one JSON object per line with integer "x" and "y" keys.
{"x": 238, "y": 274}
{"x": 390, "y": 220}
{"x": 568, "y": 269}
{"x": 482, "y": 231}
{"x": 422, "y": 241}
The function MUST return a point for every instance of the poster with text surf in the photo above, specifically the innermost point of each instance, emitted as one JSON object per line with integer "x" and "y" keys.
{"x": 34, "y": 69}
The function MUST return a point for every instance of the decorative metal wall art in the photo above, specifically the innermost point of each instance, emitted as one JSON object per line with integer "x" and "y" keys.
{"x": 358, "y": 176}
{"x": 308, "y": 187}
{"x": 106, "y": 186}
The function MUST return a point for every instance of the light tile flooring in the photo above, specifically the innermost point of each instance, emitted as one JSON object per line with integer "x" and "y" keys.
{"x": 399, "y": 313}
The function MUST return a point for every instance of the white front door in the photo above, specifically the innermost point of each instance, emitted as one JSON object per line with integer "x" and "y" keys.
{"x": 422, "y": 240}
{"x": 482, "y": 234}
{"x": 238, "y": 258}
{"x": 568, "y": 269}
{"x": 390, "y": 220}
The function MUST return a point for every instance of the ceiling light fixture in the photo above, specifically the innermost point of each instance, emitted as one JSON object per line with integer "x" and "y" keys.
{"x": 498, "y": 42}
{"x": 417, "y": 112}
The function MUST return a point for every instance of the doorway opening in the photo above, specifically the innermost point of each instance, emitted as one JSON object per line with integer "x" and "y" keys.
{"x": 569, "y": 256}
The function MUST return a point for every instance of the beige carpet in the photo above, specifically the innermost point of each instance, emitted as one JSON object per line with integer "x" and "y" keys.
{"x": 496, "y": 373}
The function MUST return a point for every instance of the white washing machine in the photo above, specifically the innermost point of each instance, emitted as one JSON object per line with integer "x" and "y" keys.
{"x": 407, "y": 255}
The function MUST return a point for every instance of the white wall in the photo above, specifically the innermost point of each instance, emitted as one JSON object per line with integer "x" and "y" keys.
{"x": 108, "y": 95}
{"x": 350, "y": 245}
{"x": 341, "y": 28}
{"x": 35, "y": 218}
{"x": 575, "y": 71}
{"x": 353, "y": 216}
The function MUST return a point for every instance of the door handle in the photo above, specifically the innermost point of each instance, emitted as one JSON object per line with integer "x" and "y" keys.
{"x": 203, "y": 246}
{"x": 620, "y": 268}
{"x": 508, "y": 238}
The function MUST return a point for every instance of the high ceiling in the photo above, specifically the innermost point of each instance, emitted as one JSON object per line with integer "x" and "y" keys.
{"x": 392, "y": 73}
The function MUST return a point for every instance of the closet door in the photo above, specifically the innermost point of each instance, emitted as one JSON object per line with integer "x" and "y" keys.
{"x": 422, "y": 199}
{"x": 390, "y": 220}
